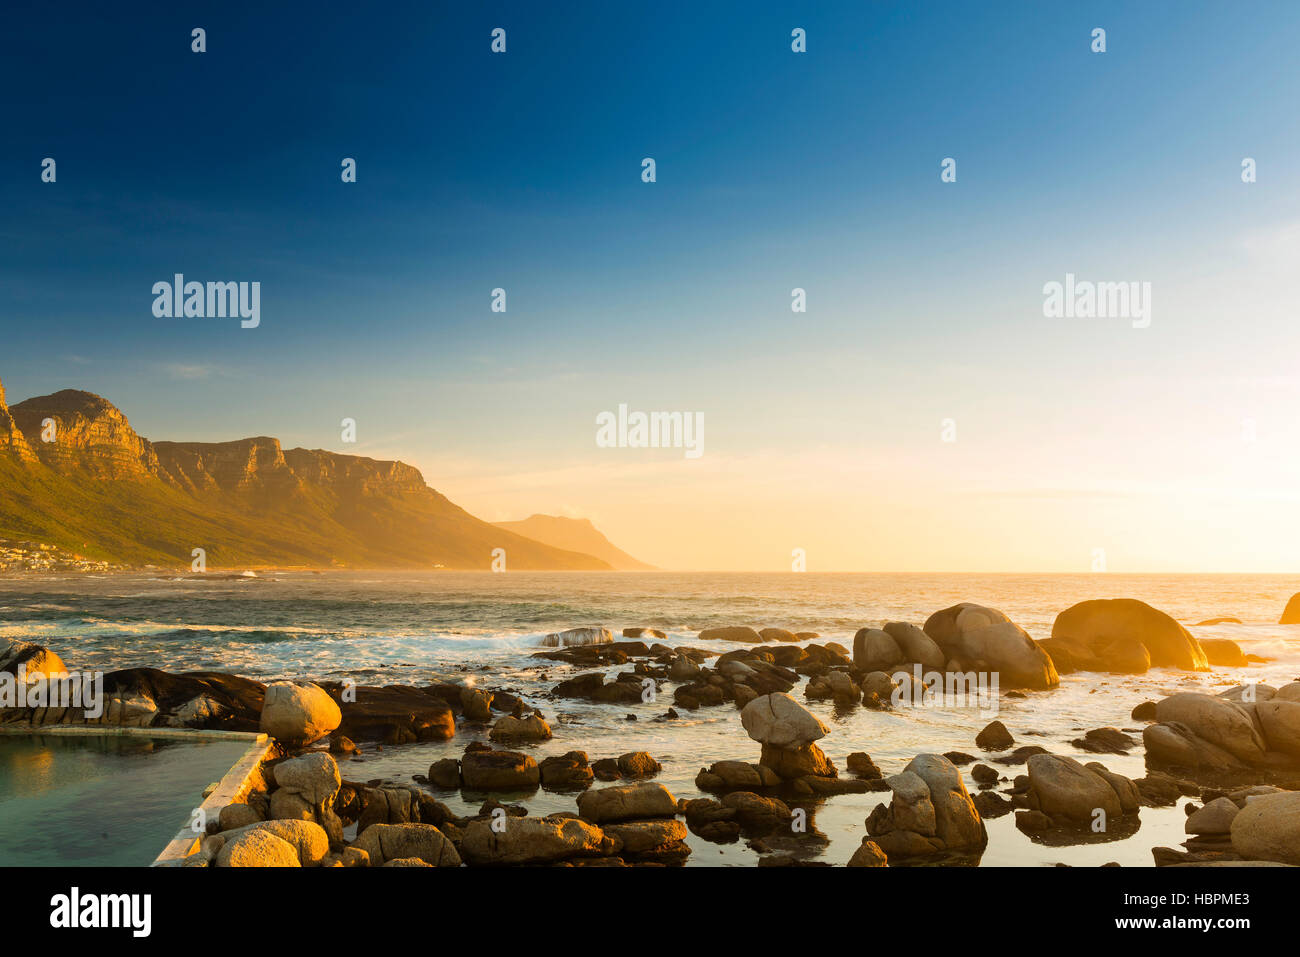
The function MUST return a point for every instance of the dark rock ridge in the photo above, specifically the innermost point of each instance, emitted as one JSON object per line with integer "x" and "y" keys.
{"x": 209, "y": 700}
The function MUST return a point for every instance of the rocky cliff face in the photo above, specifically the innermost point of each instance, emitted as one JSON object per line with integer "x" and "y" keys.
{"x": 90, "y": 436}
{"x": 12, "y": 440}
{"x": 353, "y": 472}
{"x": 101, "y": 489}
{"x": 245, "y": 465}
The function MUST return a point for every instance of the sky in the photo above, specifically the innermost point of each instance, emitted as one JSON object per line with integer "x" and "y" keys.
{"x": 923, "y": 414}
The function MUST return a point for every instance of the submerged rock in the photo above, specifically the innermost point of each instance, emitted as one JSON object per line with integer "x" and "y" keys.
{"x": 567, "y": 772}
{"x": 644, "y": 633}
{"x": 395, "y": 714}
{"x": 499, "y": 771}
{"x": 734, "y": 633}
{"x": 735, "y": 775}
{"x": 1224, "y": 651}
{"x": 627, "y": 802}
{"x": 1073, "y": 794}
{"x": 593, "y": 635}
{"x": 528, "y": 728}
{"x": 995, "y": 737}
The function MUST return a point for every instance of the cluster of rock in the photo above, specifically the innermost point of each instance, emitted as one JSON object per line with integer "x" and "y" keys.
{"x": 737, "y": 676}
{"x": 739, "y": 812}
{"x": 482, "y": 768}
{"x": 1248, "y": 726}
{"x": 931, "y": 813}
{"x": 301, "y": 822}
{"x": 293, "y": 712}
{"x": 1259, "y": 823}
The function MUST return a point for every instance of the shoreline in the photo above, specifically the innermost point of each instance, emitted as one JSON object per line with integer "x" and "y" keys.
{"x": 457, "y": 725}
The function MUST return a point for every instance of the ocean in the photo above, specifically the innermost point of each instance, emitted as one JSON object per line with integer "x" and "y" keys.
{"x": 482, "y": 628}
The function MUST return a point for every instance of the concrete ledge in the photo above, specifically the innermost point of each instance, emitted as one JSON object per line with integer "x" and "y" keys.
{"x": 191, "y": 734}
{"x": 236, "y": 784}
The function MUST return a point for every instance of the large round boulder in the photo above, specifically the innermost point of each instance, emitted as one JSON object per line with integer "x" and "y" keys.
{"x": 1064, "y": 788}
{"x": 1216, "y": 720}
{"x": 627, "y": 802}
{"x": 1280, "y": 720}
{"x": 916, "y": 645}
{"x": 1268, "y": 828}
{"x": 308, "y": 840}
{"x": 532, "y": 840}
{"x": 314, "y": 777}
{"x": 875, "y": 650}
{"x": 34, "y": 660}
{"x": 387, "y": 842}
{"x": 1095, "y": 626}
{"x": 974, "y": 633}
{"x": 298, "y": 713}
{"x": 499, "y": 771}
{"x": 257, "y": 849}
{"x": 777, "y": 719}
{"x": 947, "y": 626}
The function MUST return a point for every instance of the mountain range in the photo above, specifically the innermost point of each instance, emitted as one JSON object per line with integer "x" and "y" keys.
{"x": 577, "y": 535}
{"x": 102, "y": 491}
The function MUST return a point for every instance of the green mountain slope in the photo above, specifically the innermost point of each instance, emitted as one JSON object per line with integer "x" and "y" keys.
{"x": 104, "y": 492}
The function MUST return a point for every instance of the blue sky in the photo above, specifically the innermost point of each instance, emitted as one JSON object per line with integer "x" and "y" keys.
{"x": 775, "y": 170}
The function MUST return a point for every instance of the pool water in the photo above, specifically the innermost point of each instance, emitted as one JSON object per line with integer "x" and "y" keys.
{"x": 101, "y": 800}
